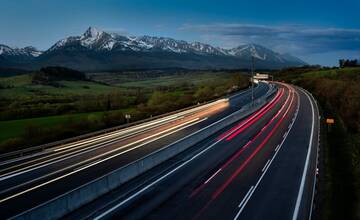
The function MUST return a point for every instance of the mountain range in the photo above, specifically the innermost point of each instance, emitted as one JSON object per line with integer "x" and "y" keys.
{"x": 96, "y": 50}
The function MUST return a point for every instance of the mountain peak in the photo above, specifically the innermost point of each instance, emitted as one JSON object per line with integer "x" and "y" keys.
{"x": 96, "y": 43}
{"x": 92, "y": 32}
{"x": 4, "y": 49}
{"x": 93, "y": 36}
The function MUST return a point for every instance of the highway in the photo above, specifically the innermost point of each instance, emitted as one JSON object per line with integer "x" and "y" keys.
{"x": 262, "y": 167}
{"x": 29, "y": 181}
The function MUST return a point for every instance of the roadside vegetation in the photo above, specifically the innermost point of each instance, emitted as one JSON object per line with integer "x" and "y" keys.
{"x": 56, "y": 103}
{"x": 338, "y": 93}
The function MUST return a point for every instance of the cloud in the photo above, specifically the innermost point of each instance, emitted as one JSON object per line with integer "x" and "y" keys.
{"x": 296, "y": 39}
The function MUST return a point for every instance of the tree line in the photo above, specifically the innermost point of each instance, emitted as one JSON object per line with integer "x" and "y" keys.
{"x": 348, "y": 63}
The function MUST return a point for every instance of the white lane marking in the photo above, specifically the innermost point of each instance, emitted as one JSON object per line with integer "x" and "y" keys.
{"x": 194, "y": 157}
{"x": 244, "y": 201}
{"x": 260, "y": 111}
{"x": 155, "y": 182}
{"x": 167, "y": 118}
{"x": 317, "y": 160}
{"x": 75, "y": 171}
{"x": 105, "y": 213}
{"x": 277, "y": 147}
{"x": 94, "y": 139}
{"x": 115, "y": 134}
{"x": 267, "y": 163}
{"x": 246, "y": 195}
{"x": 302, "y": 184}
{"x": 248, "y": 90}
{"x": 71, "y": 154}
{"x": 276, "y": 152}
{"x": 280, "y": 110}
{"x": 100, "y": 144}
{"x": 212, "y": 176}
{"x": 23, "y": 157}
{"x": 87, "y": 165}
{"x": 56, "y": 160}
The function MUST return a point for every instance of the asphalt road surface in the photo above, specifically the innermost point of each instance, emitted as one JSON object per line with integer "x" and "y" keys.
{"x": 263, "y": 167}
{"x": 29, "y": 181}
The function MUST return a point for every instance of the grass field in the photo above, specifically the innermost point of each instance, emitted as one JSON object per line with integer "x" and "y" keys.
{"x": 333, "y": 73}
{"x": 195, "y": 78}
{"x": 21, "y": 87}
{"x": 20, "y": 92}
{"x": 15, "y": 128}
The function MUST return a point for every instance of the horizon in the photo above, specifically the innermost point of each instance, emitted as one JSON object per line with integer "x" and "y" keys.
{"x": 317, "y": 38}
{"x": 131, "y": 36}
{"x": 180, "y": 109}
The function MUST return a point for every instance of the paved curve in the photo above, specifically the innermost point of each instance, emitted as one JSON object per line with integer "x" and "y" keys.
{"x": 32, "y": 181}
{"x": 260, "y": 169}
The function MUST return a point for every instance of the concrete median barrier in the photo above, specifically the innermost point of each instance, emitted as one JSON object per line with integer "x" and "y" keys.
{"x": 64, "y": 204}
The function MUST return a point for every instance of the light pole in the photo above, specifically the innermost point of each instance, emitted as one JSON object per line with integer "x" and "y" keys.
{"x": 252, "y": 79}
{"x": 127, "y": 116}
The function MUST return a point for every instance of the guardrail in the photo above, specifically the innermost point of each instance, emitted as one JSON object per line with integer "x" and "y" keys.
{"x": 36, "y": 149}
{"x": 64, "y": 204}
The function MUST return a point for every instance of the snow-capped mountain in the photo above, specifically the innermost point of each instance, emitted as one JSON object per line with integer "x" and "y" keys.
{"x": 263, "y": 54}
{"x": 26, "y": 51}
{"x": 95, "y": 39}
{"x": 92, "y": 39}
{"x": 98, "y": 50}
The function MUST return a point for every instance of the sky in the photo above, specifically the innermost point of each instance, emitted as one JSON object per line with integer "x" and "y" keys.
{"x": 317, "y": 31}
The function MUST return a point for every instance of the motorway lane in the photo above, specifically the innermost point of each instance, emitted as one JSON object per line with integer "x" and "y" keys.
{"x": 19, "y": 163}
{"x": 41, "y": 194}
{"x": 85, "y": 157}
{"x": 229, "y": 187}
{"x": 72, "y": 166}
{"x": 6, "y": 167}
{"x": 232, "y": 190}
{"x": 215, "y": 155}
{"x": 291, "y": 158}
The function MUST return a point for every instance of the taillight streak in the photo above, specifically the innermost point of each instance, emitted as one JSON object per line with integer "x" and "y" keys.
{"x": 234, "y": 134}
{"x": 258, "y": 148}
{"x": 222, "y": 136}
{"x": 237, "y": 154}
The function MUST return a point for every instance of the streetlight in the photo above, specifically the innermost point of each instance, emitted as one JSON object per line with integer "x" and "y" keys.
{"x": 252, "y": 79}
{"x": 127, "y": 116}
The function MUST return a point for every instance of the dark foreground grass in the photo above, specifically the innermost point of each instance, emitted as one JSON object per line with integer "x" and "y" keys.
{"x": 16, "y": 128}
{"x": 339, "y": 188}
{"x": 338, "y": 93}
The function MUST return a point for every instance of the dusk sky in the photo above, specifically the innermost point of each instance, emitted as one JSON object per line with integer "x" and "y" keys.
{"x": 319, "y": 32}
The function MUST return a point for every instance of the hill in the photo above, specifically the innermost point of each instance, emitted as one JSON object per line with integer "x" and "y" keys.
{"x": 50, "y": 76}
